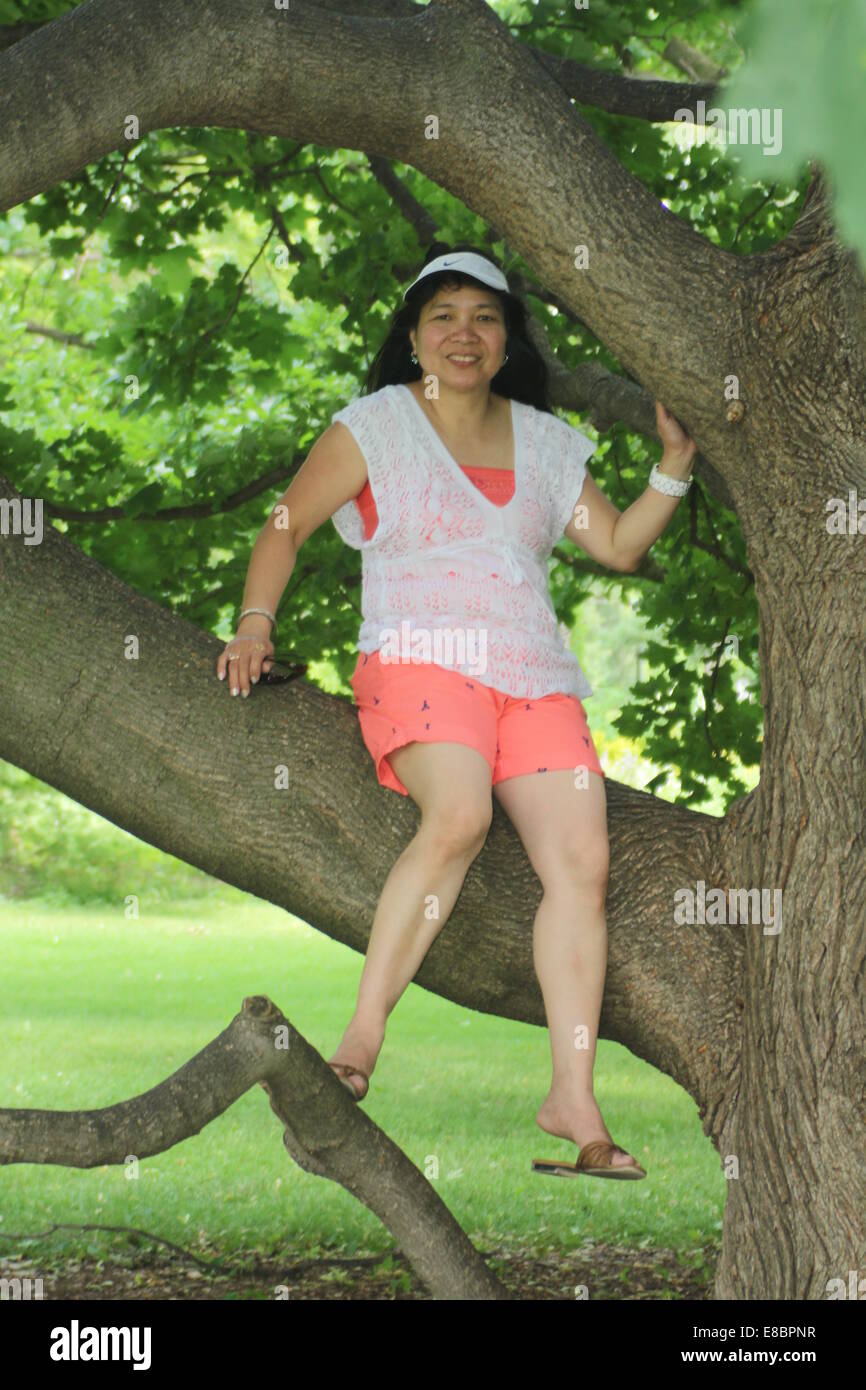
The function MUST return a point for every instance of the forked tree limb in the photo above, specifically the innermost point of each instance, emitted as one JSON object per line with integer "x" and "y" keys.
{"x": 324, "y": 1131}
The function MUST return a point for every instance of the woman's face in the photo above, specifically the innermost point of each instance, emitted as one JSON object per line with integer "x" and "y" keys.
{"x": 467, "y": 321}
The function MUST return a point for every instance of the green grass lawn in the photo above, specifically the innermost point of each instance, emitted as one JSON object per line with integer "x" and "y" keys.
{"x": 97, "y": 1008}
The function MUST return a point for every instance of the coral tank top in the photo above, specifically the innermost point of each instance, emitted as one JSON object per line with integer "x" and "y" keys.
{"x": 497, "y": 485}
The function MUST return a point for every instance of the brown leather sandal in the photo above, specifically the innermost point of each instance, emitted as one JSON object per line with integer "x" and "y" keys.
{"x": 344, "y": 1071}
{"x": 594, "y": 1161}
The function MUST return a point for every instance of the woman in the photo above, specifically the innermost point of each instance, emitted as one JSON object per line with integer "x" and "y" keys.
{"x": 456, "y": 493}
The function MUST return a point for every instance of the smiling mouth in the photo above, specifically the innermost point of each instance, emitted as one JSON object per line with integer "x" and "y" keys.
{"x": 463, "y": 357}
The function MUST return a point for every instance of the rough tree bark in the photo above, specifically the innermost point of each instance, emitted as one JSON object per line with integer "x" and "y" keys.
{"x": 764, "y": 1031}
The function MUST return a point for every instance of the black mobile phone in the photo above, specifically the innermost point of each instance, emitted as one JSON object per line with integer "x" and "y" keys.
{"x": 273, "y": 677}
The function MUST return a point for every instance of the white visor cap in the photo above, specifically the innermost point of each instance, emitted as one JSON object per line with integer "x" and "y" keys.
{"x": 476, "y": 266}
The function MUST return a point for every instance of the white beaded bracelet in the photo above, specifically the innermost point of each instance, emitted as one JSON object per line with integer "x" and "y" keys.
{"x": 671, "y": 487}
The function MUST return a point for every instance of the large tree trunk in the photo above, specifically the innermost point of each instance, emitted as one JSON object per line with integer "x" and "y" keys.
{"x": 796, "y": 1215}
{"x": 765, "y": 1031}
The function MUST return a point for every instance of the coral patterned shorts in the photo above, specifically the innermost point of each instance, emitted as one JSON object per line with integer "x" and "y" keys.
{"x": 400, "y": 703}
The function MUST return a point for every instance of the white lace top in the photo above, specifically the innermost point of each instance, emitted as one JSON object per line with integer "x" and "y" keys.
{"x": 450, "y": 577}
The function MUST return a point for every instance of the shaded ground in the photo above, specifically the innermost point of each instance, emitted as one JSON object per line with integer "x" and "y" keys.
{"x": 608, "y": 1271}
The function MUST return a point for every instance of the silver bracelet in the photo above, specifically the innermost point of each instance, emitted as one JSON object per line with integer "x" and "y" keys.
{"x": 264, "y": 613}
{"x": 671, "y": 487}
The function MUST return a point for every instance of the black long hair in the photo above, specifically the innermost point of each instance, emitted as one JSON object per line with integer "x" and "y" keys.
{"x": 523, "y": 376}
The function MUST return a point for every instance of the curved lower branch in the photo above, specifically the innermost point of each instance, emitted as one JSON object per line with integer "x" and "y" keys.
{"x": 324, "y": 1131}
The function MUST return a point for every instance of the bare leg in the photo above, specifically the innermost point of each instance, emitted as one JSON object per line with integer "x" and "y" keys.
{"x": 564, "y": 831}
{"x": 450, "y": 782}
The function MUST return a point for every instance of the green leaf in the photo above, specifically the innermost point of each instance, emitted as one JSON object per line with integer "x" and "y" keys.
{"x": 147, "y": 499}
{"x": 806, "y": 75}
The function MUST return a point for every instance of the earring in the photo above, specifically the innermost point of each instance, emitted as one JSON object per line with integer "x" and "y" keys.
{"x": 414, "y": 359}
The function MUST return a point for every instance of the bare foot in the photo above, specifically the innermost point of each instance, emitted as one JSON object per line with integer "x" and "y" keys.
{"x": 360, "y": 1046}
{"x": 583, "y": 1124}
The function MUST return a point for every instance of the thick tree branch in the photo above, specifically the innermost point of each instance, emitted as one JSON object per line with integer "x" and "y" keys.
{"x": 649, "y": 98}
{"x": 325, "y": 1132}
{"x": 14, "y": 33}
